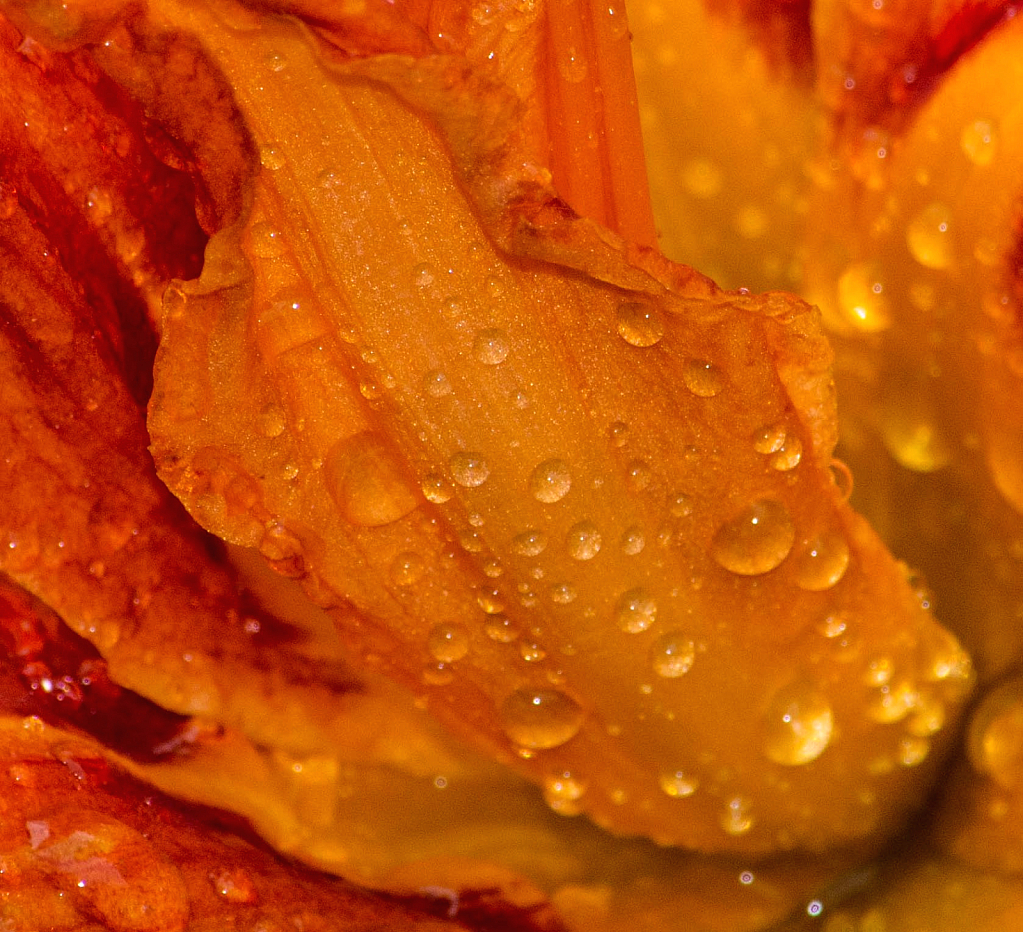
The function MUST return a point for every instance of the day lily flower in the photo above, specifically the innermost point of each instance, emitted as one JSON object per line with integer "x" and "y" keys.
{"x": 526, "y": 474}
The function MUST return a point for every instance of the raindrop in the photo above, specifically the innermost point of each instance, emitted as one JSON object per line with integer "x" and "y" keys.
{"x": 639, "y": 324}
{"x": 672, "y": 655}
{"x": 272, "y": 421}
{"x": 490, "y": 600}
{"x": 583, "y": 541}
{"x": 862, "y": 299}
{"x": 550, "y": 481}
{"x": 788, "y": 456}
{"x": 756, "y": 541}
{"x": 271, "y": 157}
{"x": 540, "y": 719}
{"x": 702, "y": 378}
{"x": 448, "y": 643}
{"x": 797, "y": 725}
{"x": 500, "y": 628}
{"x": 822, "y": 562}
{"x": 491, "y": 346}
{"x": 770, "y": 439}
{"x": 633, "y": 541}
{"x": 927, "y": 237}
{"x": 529, "y": 543}
{"x": 436, "y": 384}
{"x": 436, "y": 489}
{"x": 366, "y": 483}
{"x": 563, "y": 594}
{"x": 638, "y": 475}
{"x": 407, "y": 569}
{"x": 469, "y": 469}
{"x": 979, "y": 141}
{"x": 736, "y": 818}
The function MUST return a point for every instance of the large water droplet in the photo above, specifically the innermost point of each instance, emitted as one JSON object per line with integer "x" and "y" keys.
{"x": 797, "y": 725}
{"x": 448, "y": 643}
{"x": 272, "y": 421}
{"x": 635, "y": 611}
{"x": 822, "y": 562}
{"x": 702, "y": 378}
{"x": 633, "y": 541}
{"x": 672, "y": 655}
{"x": 469, "y": 469}
{"x": 436, "y": 489}
{"x": 928, "y": 237}
{"x": 639, "y": 324}
{"x": 770, "y": 439}
{"x": 540, "y": 719}
{"x": 491, "y": 346}
{"x": 583, "y": 541}
{"x": 550, "y": 481}
{"x": 366, "y": 483}
{"x": 756, "y": 541}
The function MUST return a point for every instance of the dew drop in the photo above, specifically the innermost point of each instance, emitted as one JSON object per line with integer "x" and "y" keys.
{"x": 448, "y": 643}
{"x": 500, "y": 628}
{"x": 366, "y": 483}
{"x": 635, "y": 610}
{"x": 979, "y": 141}
{"x": 469, "y": 469}
{"x": 770, "y": 439}
{"x": 532, "y": 652}
{"x": 862, "y": 299}
{"x": 798, "y": 725}
{"x": 436, "y": 384}
{"x": 702, "y": 378}
{"x": 913, "y": 750}
{"x": 638, "y": 475}
{"x": 583, "y": 541}
{"x": 822, "y": 562}
{"x": 678, "y": 784}
{"x": 563, "y": 787}
{"x": 272, "y": 421}
{"x": 423, "y": 275}
{"x": 928, "y": 239}
{"x": 436, "y": 489}
{"x": 672, "y": 655}
{"x": 529, "y": 543}
{"x": 619, "y": 434}
{"x": 756, "y": 541}
{"x": 736, "y": 818}
{"x": 271, "y": 157}
{"x": 563, "y": 594}
{"x": 407, "y": 568}
{"x": 550, "y": 481}
{"x": 834, "y": 625}
{"x": 788, "y": 457}
{"x": 491, "y": 346}
{"x": 540, "y": 719}
{"x": 633, "y": 541}
{"x": 893, "y": 702}
{"x": 490, "y": 600}
{"x": 639, "y": 324}
{"x": 680, "y": 505}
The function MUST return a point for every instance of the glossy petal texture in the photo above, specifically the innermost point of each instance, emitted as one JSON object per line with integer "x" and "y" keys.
{"x": 350, "y": 299}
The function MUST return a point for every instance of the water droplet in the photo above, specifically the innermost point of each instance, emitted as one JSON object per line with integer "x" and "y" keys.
{"x": 619, "y": 434}
{"x": 563, "y": 594}
{"x": 529, "y": 543}
{"x": 366, "y": 483}
{"x": 500, "y": 628}
{"x": 437, "y": 674}
{"x": 272, "y": 421}
{"x": 635, "y": 611}
{"x": 701, "y": 178}
{"x": 423, "y": 275}
{"x": 702, "y": 378}
{"x": 583, "y": 541}
{"x": 680, "y": 505}
{"x": 272, "y": 157}
{"x": 639, "y": 324}
{"x": 770, "y": 439}
{"x": 633, "y": 541}
{"x": 928, "y": 237}
{"x": 788, "y": 456}
{"x": 436, "y": 489}
{"x": 495, "y": 287}
{"x": 469, "y": 469}
{"x": 638, "y": 475}
{"x": 491, "y": 346}
{"x": 562, "y": 790}
{"x": 448, "y": 643}
{"x": 540, "y": 719}
{"x": 490, "y": 600}
{"x": 99, "y": 204}
{"x": 550, "y": 481}
{"x": 736, "y": 819}
{"x": 532, "y": 652}
{"x": 822, "y": 562}
{"x": 672, "y": 655}
{"x": 893, "y": 702}
{"x": 928, "y": 717}
{"x": 862, "y": 299}
{"x": 678, "y": 784}
{"x": 995, "y": 736}
{"x": 979, "y": 141}
{"x": 756, "y": 541}
{"x": 407, "y": 568}
{"x": 834, "y": 625}
{"x": 436, "y": 384}
{"x": 797, "y": 725}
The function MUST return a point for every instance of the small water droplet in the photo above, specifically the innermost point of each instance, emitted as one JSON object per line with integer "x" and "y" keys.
{"x": 619, "y": 434}
{"x": 490, "y": 600}
{"x": 563, "y": 594}
{"x": 633, "y": 541}
{"x": 550, "y": 481}
{"x": 436, "y": 489}
{"x": 788, "y": 457}
{"x": 672, "y": 655}
{"x": 678, "y": 784}
{"x": 500, "y": 628}
{"x": 407, "y": 568}
{"x": 532, "y": 652}
{"x": 423, "y": 275}
{"x": 529, "y": 543}
{"x": 638, "y": 475}
{"x": 436, "y": 384}
{"x": 736, "y": 819}
{"x": 272, "y": 157}
{"x": 928, "y": 237}
{"x": 583, "y": 541}
{"x": 822, "y": 562}
{"x": 770, "y": 439}
{"x": 265, "y": 242}
{"x": 893, "y": 702}
{"x": 448, "y": 643}
{"x": 540, "y": 719}
{"x": 702, "y": 378}
{"x": 913, "y": 750}
{"x": 635, "y": 610}
{"x": 979, "y": 141}
{"x": 862, "y": 299}
{"x": 680, "y": 505}
{"x": 469, "y": 469}
{"x": 562, "y": 791}
{"x": 756, "y": 541}
{"x": 272, "y": 421}
{"x": 639, "y": 324}
{"x": 834, "y": 625}
{"x": 491, "y": 346}
{"x": 798, "y": 725}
